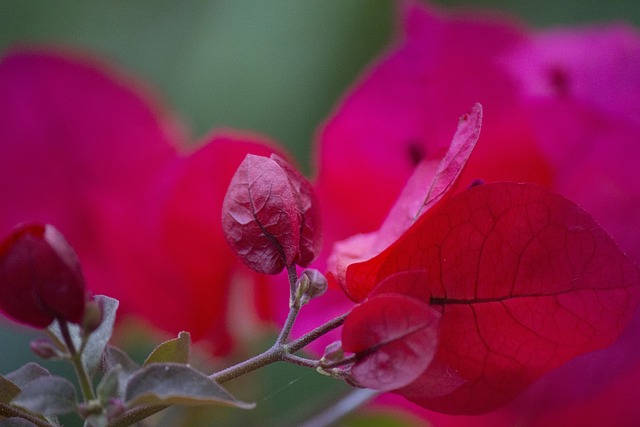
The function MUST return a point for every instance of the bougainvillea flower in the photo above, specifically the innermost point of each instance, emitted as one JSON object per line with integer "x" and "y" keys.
{"x": 87, "y": 149}
{"x": 560, "y": 109}
{"x": 40, "y": 277}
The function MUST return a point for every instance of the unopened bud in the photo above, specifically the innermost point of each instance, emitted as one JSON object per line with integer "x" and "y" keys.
{"x": 93, "y": 314}
{"x": 44, "y": 348}
{"x": 311, "y": 284}
{"x": 333, "y": 353}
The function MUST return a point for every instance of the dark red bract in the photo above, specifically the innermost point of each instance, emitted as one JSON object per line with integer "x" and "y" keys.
{"x": 40, "y": 277}
{"x": 270, "y": 215}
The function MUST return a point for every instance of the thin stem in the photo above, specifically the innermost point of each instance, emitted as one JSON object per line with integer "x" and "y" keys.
{"x": 292, "y": 275}
{"x": 274, "y": 354}
{"x": 76, "y": 360}
{"x": 301, "y": 361}
{"x": 8, "y": 411}
{"x": 134, "y": 415}
{"x": 344, "y": 407}
{"x": 288, "y": 324}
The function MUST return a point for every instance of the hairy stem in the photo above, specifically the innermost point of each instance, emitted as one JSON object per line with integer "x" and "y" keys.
{"x": 274, "y": 354}
{"x": 292, "y": 275}
{"x": 8, "y": 411}
{"x": 76, "y": 360}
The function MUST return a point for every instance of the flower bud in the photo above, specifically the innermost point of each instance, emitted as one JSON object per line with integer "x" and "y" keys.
{"x": 311, "y": 284}
{"x": 40, "y": 277}
{"x": 44, "y": 348}
{"x": 333, "y": 353}
{"x": 93, "y": 315}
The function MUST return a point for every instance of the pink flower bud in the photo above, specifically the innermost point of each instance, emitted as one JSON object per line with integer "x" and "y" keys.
{"x": 333, "y": 353}
{"x": 40, "y": 277}
{"x": 93, "y": 316}
{"x": 311, "y": 284}
{"x": 44, "y": 348}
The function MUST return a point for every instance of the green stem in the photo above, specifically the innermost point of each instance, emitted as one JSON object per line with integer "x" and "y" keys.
{"x": 8, "y": 411}
{"x": 76, "y": 360}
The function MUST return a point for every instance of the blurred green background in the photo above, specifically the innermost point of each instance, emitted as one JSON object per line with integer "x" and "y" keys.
{"x": 273, "y": 67}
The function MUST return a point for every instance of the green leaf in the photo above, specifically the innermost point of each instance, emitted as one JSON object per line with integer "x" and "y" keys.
{"x": 173, "y": 351}
{"x": 16, "y": 422}
{"x": 8, "y": 390}
{"x": 27, "y": 373}
{"x": 97, "y": 341}
{"x": 173, "y": 383}
{"x": 118, "y": 361}
{"x": 49, "y": 395}
{"x": 109, "y": 385}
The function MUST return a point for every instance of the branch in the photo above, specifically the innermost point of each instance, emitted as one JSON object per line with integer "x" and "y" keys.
{"x": 8, "y": 411}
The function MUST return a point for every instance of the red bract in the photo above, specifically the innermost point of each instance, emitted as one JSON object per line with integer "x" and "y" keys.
{"x": 524, "y": 280}
{"x": 394, "y": 338}
{"x": 40, "y": 277}
{"x": 270, "y": 216}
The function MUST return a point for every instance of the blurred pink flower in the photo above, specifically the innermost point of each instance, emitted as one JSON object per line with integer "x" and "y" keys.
{"x": 87, "y": 149}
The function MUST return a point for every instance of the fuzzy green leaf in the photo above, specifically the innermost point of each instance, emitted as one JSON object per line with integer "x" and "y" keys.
{"x": 8, "y": 390}
{"x": 27, "y": 373}
{"x": 109, "y": 385}
{"x": 173, "y": 351}
{"x": 97, "y": 341}
{"x": 173, "y": 383}
{"x": 118, "y": 361}
{"x": 49, "y": 395}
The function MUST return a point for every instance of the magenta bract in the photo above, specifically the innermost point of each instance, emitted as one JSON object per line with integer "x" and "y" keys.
{"x": 40, "y": 277}
{"x": 270, "y": 216}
